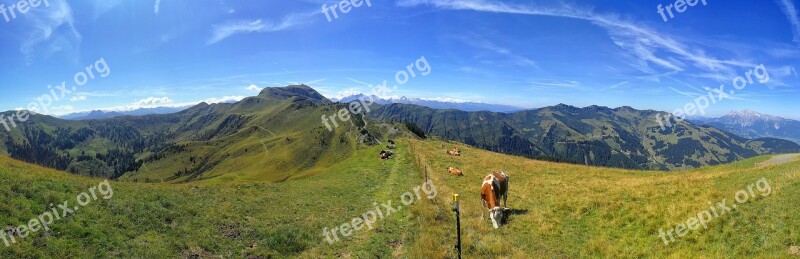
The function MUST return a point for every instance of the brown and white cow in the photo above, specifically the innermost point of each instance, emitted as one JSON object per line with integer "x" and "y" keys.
{"x": 495, "y": 186}
{"x": 454, "y": 152}
{"x": 385, "y": 154}
{"x": 454, "y": 171}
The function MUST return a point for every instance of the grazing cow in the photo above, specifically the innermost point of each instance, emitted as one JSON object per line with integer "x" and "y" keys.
{"x": 454, "y": 171}
{"x": 454, "y": 152}
{"x": 386, "y": 154}
{"x": 495, "y": 186}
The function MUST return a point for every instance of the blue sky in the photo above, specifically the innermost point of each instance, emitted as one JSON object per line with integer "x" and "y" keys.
{"x": 524, "y": 53}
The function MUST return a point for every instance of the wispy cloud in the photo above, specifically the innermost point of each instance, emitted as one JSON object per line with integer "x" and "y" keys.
{"x": 360, "y": 82}
{"x": 228, "y": 29}
{"x": 652, "y": 52}
{"x": 618, "y": 85}
{"x": 157, "y": 102}
{"x": 788, "y": 8}
{"x": 103, "y": 6}
{"x": 253, "y": 88}
{"x": 556, "y": 84}
{"x": 157, "y": 6}
{"x": 51, "y": 30}
{"x": 647, "y": 45}
{"x": 484, "y": 44}
{"x": 347, "y": 93}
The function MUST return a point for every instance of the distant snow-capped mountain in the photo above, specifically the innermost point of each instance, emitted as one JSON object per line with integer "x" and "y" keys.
{"x": 436, "y": 103}
{"x": 100, "y": 114}
{"x": 752, "y": 124}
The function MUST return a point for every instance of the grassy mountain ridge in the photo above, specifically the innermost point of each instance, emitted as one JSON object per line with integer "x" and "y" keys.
{"x": 240, "y": 218}
{"x": 559, "y": 210}
{"x": 278, "y": 135}
{"x": 621, "y": 137}
{"x": 273, "y": 136}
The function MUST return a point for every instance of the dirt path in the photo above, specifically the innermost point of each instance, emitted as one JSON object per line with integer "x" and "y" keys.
{"x": 779, "y": 160}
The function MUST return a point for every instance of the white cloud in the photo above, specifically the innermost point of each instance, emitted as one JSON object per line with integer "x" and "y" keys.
{"x": 346, "y": 93}
{"x": 152, "y": 101}
{"x": 61, "y": 110}
{"x": 157, "y": 6}
{"x": 50, "y": 30}
{"x": 788, "y": 8}
{"x": 646, "y": 45}
{"x": 482, "y": 43}
{"x": 225, "y": 99}
{"x": 360, "y": 82}
{"x": 556, "y": 84}
{"x": 253, "y": 88}
{"x": 103, "y": 6}
{"x": 156, "y": 102}
{"x": 78, "y": 98}
{"x": 230, "y": 28}
{"x": 447, "y": 100}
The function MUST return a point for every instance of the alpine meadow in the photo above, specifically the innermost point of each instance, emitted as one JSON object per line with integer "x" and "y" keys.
{"x": 399, "y": 129}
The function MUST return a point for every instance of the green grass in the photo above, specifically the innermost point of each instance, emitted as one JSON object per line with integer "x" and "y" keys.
{"x": 561, "y": 210}
{"x": 578, "y": 211}
{"x": 237, "y": 219}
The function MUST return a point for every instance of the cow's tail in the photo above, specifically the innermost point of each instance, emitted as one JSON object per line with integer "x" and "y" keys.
{"x": 508, "y": 188}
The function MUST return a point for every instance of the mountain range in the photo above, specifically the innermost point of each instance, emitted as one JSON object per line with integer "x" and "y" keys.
{"x": 744, "y": 123}
{"x": 277, "y": 131}
{"x": 435, "y": 103}
{"x": 752, "y": 124}
{"x": 103, "y": 114}
{"x": 278, "y": 135}
{"x": 622, "y": 137}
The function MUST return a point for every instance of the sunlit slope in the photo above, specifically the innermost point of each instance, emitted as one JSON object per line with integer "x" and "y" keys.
{"x": 271, "y": 137}
{"x": 558, "y": 210}
{"x": 274, "y": 136}
{"x": 575, "y": 211}
{"x": 208, "y": 220}
{"x": 271, "y": 144}
{"x": 623, "y": 137}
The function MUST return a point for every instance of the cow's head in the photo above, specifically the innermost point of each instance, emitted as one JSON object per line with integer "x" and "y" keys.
{"x": 496, "y": 214}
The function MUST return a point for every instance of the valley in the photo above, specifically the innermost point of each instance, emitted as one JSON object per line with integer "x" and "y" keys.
{"x": 320, "y": 129}
{"x": 279, "y": 132}
{"x": 264, "y": 178}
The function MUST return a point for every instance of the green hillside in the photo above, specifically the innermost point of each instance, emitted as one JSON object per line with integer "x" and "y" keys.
{"x": 279, "y": 135}
{"x": 208, "y": 219}
{"x": 273, "y": 136}
{"x": 559, "y": 210}
{"x": 621, "y": 137}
